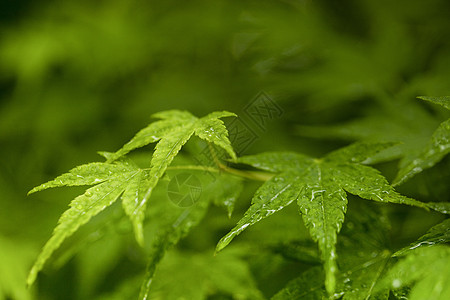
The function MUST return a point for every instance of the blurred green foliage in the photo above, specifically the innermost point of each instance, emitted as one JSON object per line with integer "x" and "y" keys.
{"x": 82, "y": 76}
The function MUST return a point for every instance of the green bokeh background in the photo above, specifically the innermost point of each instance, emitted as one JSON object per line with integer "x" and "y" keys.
{"x": 81, "y": 76}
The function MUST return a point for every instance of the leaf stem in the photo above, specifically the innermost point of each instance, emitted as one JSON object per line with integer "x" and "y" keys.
{"x": 253, "y": 175}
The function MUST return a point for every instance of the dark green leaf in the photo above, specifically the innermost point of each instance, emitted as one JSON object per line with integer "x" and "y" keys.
{"x": 437, "y": 234}
{"x": 318, "y": 186}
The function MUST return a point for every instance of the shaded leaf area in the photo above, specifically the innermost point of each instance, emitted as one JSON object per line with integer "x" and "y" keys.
{"x": 97, "y": 248}
{"x": 425, "y": 270}
{"x": 169, "y": 236}
{"x": 434, "y": 150}
{"x": 197, "y": 276}
{"x": 202, "y": 275}
{"x": 363, "y": 259}
{"x": 169, "y": 223}
{"x": 225, "y": 192}
{"x": 364, "y": 252}
{"x": 98, "y": 259}
{"x": 437, "y": 234}
{"x": 127, "y": 289}
{"x": 392, "y": 122}
{"x": 319, "y": 187}
{"x": 308, "y": 286}
{"x": 396, "y": 122}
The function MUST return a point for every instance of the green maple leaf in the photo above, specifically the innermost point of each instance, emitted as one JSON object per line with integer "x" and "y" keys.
{"x": 434, "y": 150}
{"x": 425, "y": 269}
{"x": 172, "y": 132}
{"x": 175, "y": 128}
{"x": 115, "y": 179}
{"x": 319, "y": 186}
{"x": 110, "y": 182}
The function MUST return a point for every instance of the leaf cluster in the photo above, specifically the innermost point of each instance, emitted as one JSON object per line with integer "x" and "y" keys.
{"x": 319, "y": 186}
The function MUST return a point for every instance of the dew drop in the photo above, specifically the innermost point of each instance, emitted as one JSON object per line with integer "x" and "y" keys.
{"x": 88, "y": 194}
{"x": 396, "y": 283}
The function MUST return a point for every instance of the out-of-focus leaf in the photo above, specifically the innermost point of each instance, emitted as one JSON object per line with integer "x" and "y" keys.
{"x": 363, "y": 252}
{"x": 199, "y": 275}
{"x": 425, "y": 269}
{"x": 225, "y": 191}
{"x": 437, "y": 234}
{"x": 308, "y": 286}
{"x": 15, "y": 258}
{"x": 168, "y": 237}
{"x": 434, "y": 150}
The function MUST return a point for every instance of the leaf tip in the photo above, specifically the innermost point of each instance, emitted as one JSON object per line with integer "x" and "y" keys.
{"x": 139, "y": 234}
{"x": 32, "y": 276}
{"x": 222, "y": 244}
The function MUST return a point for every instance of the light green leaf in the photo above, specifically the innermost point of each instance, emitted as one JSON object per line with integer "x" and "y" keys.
{"x": 425, "y": 269}
{"x": 318, "y": 186}
{"x": 150, "y": 134}
{"x": 437, "y": 234}
{"x": 444, "y": 100}
{"x": 212, "y": 129}
{"x": 165, "y": 152}
{"x": 172, "y": 119}
{"x": 113, "y": 180}
{"x": 323, "y": 207}
{"x": 136, "y": 193}
{"x": 173, "y": 132}
{"x": 87, "y": 174}
{"x": 209, "y": 128}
